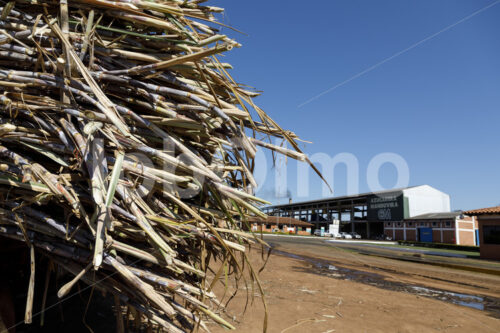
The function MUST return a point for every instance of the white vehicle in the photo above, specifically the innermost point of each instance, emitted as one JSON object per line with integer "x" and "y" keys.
{"x": 355, "y": 235}
{"x": 345, "y": 235}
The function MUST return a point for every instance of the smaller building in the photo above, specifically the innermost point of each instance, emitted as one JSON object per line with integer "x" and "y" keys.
{"x": 447, "y": 227}
{"x": 280, "y": 224}
{"x": 489, "y": 231}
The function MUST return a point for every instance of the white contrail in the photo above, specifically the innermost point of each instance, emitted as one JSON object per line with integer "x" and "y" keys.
{"x": 397, "y": 54}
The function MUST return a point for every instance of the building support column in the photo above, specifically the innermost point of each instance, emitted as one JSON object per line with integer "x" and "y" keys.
{"x": 352, "y": 211}
{"x": 474, "y": 228}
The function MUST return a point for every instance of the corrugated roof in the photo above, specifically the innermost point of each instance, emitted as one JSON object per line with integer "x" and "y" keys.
{"x": 280, "y": 220}
{"x": 354, "y": 196}
{"x": 437, "y": 216}
{"x": 484, "y": 211}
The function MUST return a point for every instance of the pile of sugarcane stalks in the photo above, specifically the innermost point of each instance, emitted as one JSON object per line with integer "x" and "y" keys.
{"x": 127, "y": 151}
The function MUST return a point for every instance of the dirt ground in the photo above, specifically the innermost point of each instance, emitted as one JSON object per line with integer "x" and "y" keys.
{"x": 303, "y": 296}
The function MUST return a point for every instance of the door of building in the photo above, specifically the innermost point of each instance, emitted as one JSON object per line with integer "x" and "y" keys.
{"x": 425, "y": 235}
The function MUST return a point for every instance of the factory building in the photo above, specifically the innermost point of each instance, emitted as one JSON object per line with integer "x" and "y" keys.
{"x": 367, "y": 213}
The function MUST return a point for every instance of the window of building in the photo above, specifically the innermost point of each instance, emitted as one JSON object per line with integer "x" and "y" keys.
{"x": 448, "y": 223}
{"x": 268, "y": 226}
{"x": 410, "y": 224}
{"x": 388, "y": 224}
{"x": 491, "y": 234}
{"x": 399, "y": 224}
{"x": 434, "y": 224}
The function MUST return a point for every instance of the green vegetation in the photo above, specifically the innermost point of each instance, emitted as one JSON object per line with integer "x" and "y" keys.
{"x": 468, "y": 248}
{"x": 468, "y": 253}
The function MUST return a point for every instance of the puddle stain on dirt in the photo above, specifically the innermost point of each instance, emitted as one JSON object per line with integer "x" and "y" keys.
{"x": 325, "y": 268}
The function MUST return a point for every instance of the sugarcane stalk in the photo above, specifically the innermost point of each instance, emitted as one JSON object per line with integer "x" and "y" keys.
{"x": 85, "y": 86}
{"x": 64, "y": 290}
{"x": 146, "y": 289}
{"x": 28, "y": 314}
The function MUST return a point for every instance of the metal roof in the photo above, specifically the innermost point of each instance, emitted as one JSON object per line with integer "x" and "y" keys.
{"x": 345, "y": 197}
{"x": 440, "y": 215}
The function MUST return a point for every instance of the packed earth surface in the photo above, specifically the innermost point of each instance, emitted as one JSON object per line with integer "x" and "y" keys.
{"x": 314, "y": 286}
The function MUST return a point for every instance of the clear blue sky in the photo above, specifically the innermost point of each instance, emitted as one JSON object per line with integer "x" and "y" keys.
{"x": 436, "y": 105}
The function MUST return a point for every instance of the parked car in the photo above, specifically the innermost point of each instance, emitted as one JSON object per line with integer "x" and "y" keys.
{"x": 355, "y": 235}
{"x": 345, "y": 235}
{"x": 317, "y": 232}
{"x": 331, "y": 234}
{"x": 383, "y": 237}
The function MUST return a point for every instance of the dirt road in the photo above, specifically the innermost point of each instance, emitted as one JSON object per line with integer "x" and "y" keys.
{"x": 311, "y": 286}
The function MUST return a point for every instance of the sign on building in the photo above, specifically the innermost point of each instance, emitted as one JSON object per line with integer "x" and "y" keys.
{"x": 386, "y": 207}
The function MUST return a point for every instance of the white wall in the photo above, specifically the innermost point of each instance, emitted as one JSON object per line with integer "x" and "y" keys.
{"x": 426, "y": 199}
